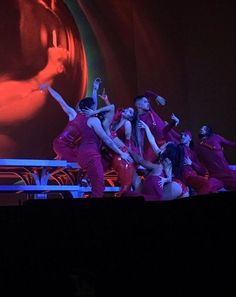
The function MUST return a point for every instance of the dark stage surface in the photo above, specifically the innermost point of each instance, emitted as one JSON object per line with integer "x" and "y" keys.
{"x": 109, "y": 247}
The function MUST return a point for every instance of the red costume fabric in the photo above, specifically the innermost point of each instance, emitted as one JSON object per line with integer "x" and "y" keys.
{"x": 197, "y": 177}
{"x": 87, "y": 153}
{"x": 124, "y": 170}
{"x": 65, "y": 145}
{"x": 210, "y": 153}
{"x": 161, "y": 131}
{"x": 151, "y": 191}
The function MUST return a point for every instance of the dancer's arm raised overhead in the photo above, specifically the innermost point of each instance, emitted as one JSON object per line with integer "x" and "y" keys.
{"x": 96, "y": 85}
{"x": 104, "y": 97}
{"x": 70, "y": 111}
{"x": 159, "y": 99}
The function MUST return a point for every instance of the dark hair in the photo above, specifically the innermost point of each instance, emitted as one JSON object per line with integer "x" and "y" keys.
{"x": 84, "y": 103}
{"x": 137, "y": 98}
{"x": 136, "y": 135}
{"x": 175, "y": 152}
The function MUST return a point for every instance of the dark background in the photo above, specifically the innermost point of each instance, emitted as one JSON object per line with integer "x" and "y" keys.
{"x": 125, "y": 247}
{"x": 184, "y": 50}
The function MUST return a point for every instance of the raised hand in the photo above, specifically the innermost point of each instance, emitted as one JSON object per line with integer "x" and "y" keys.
{"x": 159, "y": 99}
{"x": 174, "y": 118}
{"x": 162, "y": 101}
{"x": 104, "y": 96}
{"x": 126, "y": 157}
{"x": 142, "y": 125}
{"x": 97, "y": 83}
{"x": 187, "y": 161}
{"x": 88, "y": 112}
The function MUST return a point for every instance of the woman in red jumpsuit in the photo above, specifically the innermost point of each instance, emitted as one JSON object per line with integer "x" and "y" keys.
{"x": 118, "y": 127}
{"x": 211, "y": 154}
{"x": 195, "y": 174}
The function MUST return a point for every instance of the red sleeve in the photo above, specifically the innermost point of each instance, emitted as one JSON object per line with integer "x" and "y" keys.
{"x": 226, "y": 142}
{"x": 150, "y": 95}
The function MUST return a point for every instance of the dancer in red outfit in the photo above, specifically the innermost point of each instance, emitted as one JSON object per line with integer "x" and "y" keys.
{"x": 121, "y": 130}
{"x": 162, "y": 132}
{"x": 210, "y": 152}
{"x": 195, "y": 175}
{"x": 118, "y": 127}
{"x": 90, "y": 134}
{"x": 152, "y": 187}
{"x": 160, "y": 183}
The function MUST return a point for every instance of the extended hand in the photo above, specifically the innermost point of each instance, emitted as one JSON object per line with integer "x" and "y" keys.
{"x": 162, "y": 181}
{"x": 174, "y": 118}
{"x": 104, "y": 96}
{"x": 126, "y": 157}
{"x": 88, "y": 112}
{"x": 143, "y": 125}
{"x": 162, "y": 101}
{"x": 187, "y": 161}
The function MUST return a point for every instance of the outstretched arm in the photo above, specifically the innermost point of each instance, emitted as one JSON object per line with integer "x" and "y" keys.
{"x": 146, "y": 164}
{"x": 104, "y": 97}
{"x": 227, "y": 142}
{"x": 128, "y": 131}
{"x": 167, "y": 166}
{"x": 96, "y": 85}
{"x": 159, "y": 99}
{"x": 90, "y": 112}
{"x": 169, "y": 126}
{"x": 110, "y": 112}
{"x": 67, "y": 109}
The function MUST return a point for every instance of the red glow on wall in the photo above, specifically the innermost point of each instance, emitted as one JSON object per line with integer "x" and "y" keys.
{"x": 41, "y": 44}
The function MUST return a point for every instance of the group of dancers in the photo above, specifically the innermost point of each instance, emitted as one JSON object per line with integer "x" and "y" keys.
{"x": 135, "y": 139}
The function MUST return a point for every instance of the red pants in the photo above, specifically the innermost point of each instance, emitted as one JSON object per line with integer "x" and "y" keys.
{"x": 125, "y": 173}
{"x": 64, "y": 151}
{"x": 203, "y": 185}
{"x": 91, "y": 162}
{"x": 228, "y": 178}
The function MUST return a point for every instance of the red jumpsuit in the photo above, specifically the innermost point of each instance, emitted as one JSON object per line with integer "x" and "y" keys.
{"x": 210, "y": 153}
{"x": 87, "y": 153}
{"x": 65, "y": 145}
{"x": 124, "y": 170}
{"x": 196, "y": 175}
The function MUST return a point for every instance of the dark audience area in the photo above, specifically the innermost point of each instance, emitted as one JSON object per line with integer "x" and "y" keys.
{"x": 118, "y": 247}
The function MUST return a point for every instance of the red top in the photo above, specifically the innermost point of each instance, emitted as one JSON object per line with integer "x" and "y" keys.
{"x": 161, "y": 131}
{"x": 78, "y": 131}
{"x": 210, "y": 152}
